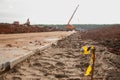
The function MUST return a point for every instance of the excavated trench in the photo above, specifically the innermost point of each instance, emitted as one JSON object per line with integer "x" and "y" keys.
{"x": 64, "y": 62}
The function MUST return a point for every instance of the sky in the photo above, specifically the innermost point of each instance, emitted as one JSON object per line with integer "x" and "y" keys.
{"x": 60, "y": 11}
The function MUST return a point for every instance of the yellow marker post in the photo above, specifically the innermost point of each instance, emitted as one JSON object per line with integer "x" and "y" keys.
{"x": 88, "y": 50}
{"x": 93, "y": 58}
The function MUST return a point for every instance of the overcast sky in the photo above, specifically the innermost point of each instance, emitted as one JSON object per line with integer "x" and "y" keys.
{"x": 59, "y": 11}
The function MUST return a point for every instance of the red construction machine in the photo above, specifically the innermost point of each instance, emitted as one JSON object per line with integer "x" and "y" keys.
{"x": 68, "y": 26}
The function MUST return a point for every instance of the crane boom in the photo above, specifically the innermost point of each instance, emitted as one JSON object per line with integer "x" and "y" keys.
{"x": 73, "y": 14}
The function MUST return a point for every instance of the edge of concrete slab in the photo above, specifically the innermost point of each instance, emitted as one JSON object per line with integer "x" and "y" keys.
{"x": 19, "y": 59}
{"x": 10, "y": 64}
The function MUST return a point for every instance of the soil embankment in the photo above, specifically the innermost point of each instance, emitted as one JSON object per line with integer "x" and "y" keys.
{"x": 109, "y": 37}
{"x": 10, "y": 29}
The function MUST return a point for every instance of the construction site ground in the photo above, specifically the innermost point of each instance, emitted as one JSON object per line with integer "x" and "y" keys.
{"x": 13, "y": 46}
{"x": 63, "y": 61}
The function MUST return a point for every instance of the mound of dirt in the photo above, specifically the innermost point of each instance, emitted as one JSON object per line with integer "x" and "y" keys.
{"x": 10, "y": 28}
{"x": 109, "y": 37}
{"x": 106, "y": 33}
{"x": 112, "y": 45}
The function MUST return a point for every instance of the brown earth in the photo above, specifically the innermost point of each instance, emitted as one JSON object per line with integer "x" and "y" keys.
{"x": 64, "y": 62}
{"x": 106, "y": 33}
{"x": 10, "y": 28}
{"x": 109, "y": 37}
{"x": 25, "y": 39}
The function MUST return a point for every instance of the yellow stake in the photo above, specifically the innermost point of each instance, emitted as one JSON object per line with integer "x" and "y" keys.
{"x": 88, "y": 70}
{"x": 87, "y": 50}
{"x": 93, "y": 57}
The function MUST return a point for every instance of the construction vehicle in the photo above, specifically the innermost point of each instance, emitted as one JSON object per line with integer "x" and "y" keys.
{"x": 68, "y": 26}
{"x": 27, "y": 22}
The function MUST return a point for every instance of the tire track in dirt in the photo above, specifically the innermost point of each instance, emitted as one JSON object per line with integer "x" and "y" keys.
{"x": 51, "y": 64}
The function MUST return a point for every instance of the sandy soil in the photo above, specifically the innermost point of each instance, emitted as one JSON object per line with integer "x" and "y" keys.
{"x": 64, "y": 62}
{"x": 16, "y": 45}
{"x": 26, "y": 38}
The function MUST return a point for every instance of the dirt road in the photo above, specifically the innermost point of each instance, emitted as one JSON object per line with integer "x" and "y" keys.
{"x": 26, "y": 38}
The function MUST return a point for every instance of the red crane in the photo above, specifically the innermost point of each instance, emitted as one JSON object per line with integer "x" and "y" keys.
{"x": 68, "y": 26}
